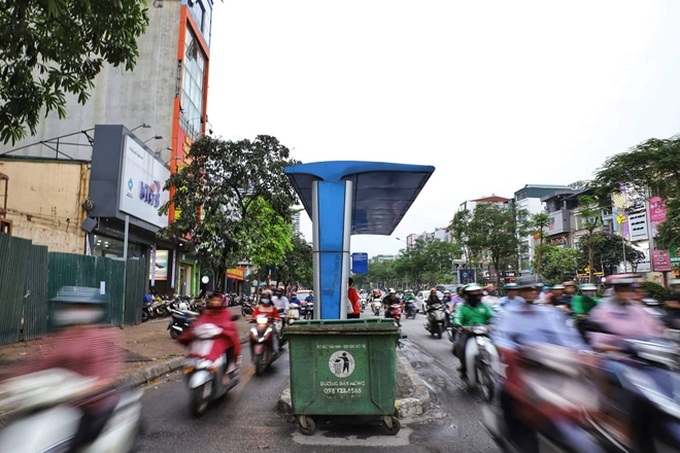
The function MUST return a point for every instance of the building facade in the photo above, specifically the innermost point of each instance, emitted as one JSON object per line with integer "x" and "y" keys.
{"x": 528, "y": 199}
{"x": 162, "y": 102}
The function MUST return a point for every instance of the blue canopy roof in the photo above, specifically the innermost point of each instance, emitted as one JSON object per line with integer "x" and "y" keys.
{"x": 383, "y": 192}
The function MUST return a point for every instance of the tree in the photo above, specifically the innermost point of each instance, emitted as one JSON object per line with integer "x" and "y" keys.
{"x": 607, "y": 253}
{"x": 539, "y": 221}
{"x": 652, "y": 167}
{"x": 557, "y": 263}
{"x": 460, "y": 228}
{"x": 54, "y": 47}
{"x": 493, "y": 230}
{"x": 591, "y": 219}
{"x": 296, "y": 267}
{"x": 244, "y": 200}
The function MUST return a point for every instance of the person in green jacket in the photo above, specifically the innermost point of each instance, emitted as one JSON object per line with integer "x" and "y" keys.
{"x": 582, "y": 303}
{"x": 471, "y": 313}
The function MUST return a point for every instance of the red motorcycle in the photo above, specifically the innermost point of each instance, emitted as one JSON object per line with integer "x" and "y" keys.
{"x": 264, "y": 342}
{"x": 394, "y": 312}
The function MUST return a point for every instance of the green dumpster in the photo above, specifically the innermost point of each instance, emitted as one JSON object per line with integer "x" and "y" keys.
{"x": 343, "y": 367}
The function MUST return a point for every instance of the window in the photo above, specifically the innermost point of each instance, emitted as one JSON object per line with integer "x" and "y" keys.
{"x": 201, "y": 10}
{"x": 192, "y": 87}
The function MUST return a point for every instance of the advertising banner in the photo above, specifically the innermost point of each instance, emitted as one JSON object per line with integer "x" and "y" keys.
{"x": 657, "y": 213}
{"x": 142, "y": 181}
{"x": 159, "y": 266}
{"x": 661, "y": 261}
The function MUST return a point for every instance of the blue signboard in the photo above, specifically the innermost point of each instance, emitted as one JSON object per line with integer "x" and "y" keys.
{"x": 360, "y": 263}
{"x": 466, "y": 275}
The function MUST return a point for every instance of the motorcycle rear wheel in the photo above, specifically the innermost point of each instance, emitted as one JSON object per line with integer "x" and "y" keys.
{"x": 246, "y": 310}
{"x": 174, "y": 333}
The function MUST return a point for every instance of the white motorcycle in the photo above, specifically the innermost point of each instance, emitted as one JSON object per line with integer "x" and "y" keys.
{"x": 205, "y": 377}
{"x": 482, "y": 363}
{"x": 40, "y": 418}
{"x": 292, "y": 314}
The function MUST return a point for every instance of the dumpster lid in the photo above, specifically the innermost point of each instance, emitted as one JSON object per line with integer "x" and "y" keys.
{"x": 346, "y": 326}
{"x": 382, "y": 192}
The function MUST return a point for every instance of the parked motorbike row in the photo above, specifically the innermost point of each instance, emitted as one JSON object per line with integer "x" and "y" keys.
{"x": 161, "y": 307}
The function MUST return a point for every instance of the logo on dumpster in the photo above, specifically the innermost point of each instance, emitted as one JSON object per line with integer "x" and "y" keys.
{"x": 341, "y": 363}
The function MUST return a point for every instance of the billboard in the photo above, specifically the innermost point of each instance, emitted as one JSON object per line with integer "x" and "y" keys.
{"x": 141, "y": 186}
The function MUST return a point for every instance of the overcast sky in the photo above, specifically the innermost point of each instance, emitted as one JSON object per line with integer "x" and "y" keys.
{"x": 494, "y": 94}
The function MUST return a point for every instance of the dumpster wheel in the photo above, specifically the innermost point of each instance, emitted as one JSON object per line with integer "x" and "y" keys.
{"x": 307, "y": 425}
{"x": 391, "y": 425}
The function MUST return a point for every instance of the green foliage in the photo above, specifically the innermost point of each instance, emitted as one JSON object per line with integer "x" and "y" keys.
{"x": 244, "y": 199}
{"x": 607, "y": 253}
{"x": 54, "y": 47}
{"x": 655, "y": 291}
{"x": 426, "y": 263}
{"x": 539, "y": 222}
{"x": 557, "y": 263}
{"x": 490, "y": 233}
{"x": 296, "y": 266}
{"x": 653, "y": 165}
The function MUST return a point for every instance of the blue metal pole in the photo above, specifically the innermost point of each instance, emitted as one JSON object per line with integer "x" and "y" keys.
{"x": 332, "y": 223}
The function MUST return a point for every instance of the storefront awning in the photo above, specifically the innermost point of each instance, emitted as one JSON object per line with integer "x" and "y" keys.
{"x": 237, "y": 273}
{"x": 382, "y": 192}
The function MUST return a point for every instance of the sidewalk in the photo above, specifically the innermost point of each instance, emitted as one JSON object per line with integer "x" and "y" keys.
{"x": 151, "y": 353}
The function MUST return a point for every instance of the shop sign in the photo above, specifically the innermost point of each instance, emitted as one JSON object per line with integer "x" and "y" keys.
{"x": 159, "y": 266}
{"x": 142, "y": 180}
{"x": 237, "y": 273}
{"x": 661, "y": 261}
{"x": 675, "y": 255}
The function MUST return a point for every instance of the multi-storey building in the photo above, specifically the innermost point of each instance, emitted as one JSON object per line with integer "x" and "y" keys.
{"x": 528, "y": 199}
{"x": 163, "y": 102}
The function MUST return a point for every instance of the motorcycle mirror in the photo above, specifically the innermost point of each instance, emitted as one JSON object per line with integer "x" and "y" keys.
{"x": 235, "y": 317}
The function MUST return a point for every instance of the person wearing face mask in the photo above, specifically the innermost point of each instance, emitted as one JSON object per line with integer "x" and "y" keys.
{"x": 267, "y": 308}
{"x": 228, "y": 341}
{"x": 86, "y": 348}
{"x": 471, "y": 313}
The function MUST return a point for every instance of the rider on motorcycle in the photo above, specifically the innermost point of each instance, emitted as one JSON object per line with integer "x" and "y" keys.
{"x": 265, "y": 307}
{"x": 390, "y": 299}
{"x": 433, "y": 299}
{"x": 409, "y": 296}
{"x": 472, "y": 312}
{"x": 84, "y": 347}
{"x": 228, "y": 342}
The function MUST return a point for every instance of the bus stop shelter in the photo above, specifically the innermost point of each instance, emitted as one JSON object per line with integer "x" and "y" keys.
{"x": 345, "y": 198}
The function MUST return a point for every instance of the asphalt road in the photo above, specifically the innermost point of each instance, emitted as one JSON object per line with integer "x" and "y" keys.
{"x": 247, "y": 420}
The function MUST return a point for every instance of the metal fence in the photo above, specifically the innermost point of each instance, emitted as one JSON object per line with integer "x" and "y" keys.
{"x": 30, "y": 276}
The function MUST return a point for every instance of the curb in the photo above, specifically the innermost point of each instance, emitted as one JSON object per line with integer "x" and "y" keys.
{"x": 143, "y": 376}
{"x": 411, "y": 406}
{"x": 417, "y": 404}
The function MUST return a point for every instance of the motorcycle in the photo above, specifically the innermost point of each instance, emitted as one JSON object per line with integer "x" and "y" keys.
{"x": 247, "y": 308}
{"x": 40, "y": 416}
{"x": 480, "y": 358}
{"x": 263, "y": 349}
{"x": 180, "y": 321}
{"x": 208, "y": 379}
{"x": 436, "y": 320}
{"x": 411, "y": 309}
{"x": 394, "y": 311}
{"x": 376, "y": 305}
{"x": 539, "y": 406}
{"x": 649, "y": 378}
{"x": 307, "y": 310}
{"x": 292, "y": 314}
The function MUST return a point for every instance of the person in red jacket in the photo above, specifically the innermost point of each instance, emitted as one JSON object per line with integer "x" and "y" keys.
{"x": 228, "y": 341}
{"x": 354, "y": 299}
{"x": 265, "y": 307}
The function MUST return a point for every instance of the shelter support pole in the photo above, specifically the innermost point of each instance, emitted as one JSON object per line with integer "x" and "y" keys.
{"x": 332, "y": 224}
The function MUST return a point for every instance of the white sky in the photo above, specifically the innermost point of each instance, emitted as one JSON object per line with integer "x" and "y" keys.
{"x": 494, "y": 94}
